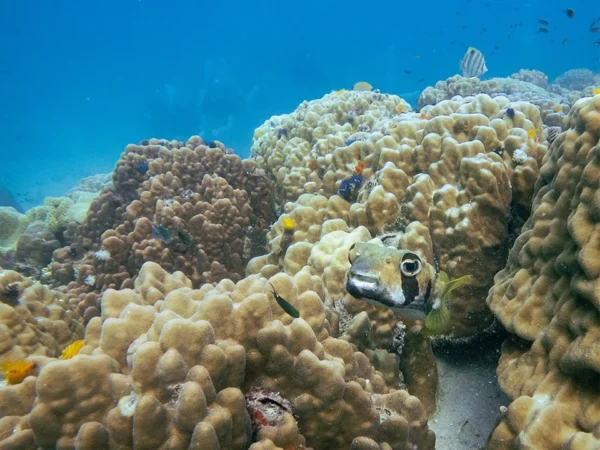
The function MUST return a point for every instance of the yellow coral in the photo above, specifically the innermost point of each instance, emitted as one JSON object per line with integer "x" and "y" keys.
{"x": 72, "y": 350}
{"x": 16, "y": 371}
{"x": 289, "y": 226}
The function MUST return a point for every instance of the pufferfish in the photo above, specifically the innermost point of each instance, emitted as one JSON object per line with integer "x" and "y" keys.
{"x": 397, "y": 278}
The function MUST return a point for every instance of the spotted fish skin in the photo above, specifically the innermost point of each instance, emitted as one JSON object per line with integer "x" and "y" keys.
{"x": 473, "y": 63}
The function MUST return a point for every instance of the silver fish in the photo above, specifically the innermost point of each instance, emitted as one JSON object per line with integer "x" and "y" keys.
{"x": 473, "y": 63}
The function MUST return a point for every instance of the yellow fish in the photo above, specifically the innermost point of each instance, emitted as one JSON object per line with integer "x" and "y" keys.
{"x": 72, "y": 350}
{"x": 362, "y": 86}
{"x": 596, "y": 91}
{"x": 531, "y": 133}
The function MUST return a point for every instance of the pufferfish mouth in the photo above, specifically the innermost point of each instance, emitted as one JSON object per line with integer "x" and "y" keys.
{"x": 363, "y": 286}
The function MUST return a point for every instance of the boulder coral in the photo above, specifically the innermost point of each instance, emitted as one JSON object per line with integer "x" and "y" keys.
{"x": 170, "y": 371}
{"x": 464, "y": 170}
{"x": 187, "y": 206}
{"x": 548, "y": 298}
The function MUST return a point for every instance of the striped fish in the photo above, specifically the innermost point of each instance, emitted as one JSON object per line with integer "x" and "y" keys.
{"x": 553, "y": 133}
{"x": 473, "y": 63}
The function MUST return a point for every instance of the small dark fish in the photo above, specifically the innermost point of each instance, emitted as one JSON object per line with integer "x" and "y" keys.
{"x": 542, "y": 30}
{"x": 570, "y": 12}
{"x": 420, "y": 80}
{"x": 499, "y": 151}
{"x": 496, "y": 47}
{"x": 184, "y": 237}
{"x": 510, "y": 113}
{"x": 544, "y": 21}
{"x": 161, "y": 233}
{"x": 285, "y": 305}
{"x": 211, "y": 144}
{"x": 483, "y": 30}
{"x": 595, "y": 29}
{"x": 407, "y": 72}
{"x": 597, "y": 43}
{"x": 564, "y": 41}
{"x": 143, "y": 167}
{"x": 282, "y": 132}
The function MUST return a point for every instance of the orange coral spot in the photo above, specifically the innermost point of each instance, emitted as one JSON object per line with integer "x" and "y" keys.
{"x": 359, "y": 167}
{"x": 313, "y": 164}
{"x": 16, "y": 371}
{"x": 425, "y": 116}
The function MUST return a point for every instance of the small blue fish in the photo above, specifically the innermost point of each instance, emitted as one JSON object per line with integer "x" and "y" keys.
{"x": 143, "y": 167}
{"x": 350, "y": 186}
{"x": 285, "y": 305}
{"x": 184, "y": 237}
{"x": 161, "y": 233}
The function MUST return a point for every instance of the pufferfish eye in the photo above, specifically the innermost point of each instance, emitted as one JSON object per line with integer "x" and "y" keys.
{"x": 353, "y": 253}
{"x": 411, "y": 265}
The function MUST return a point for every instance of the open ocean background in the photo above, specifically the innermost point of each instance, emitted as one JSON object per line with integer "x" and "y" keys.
{"x": 80, "y": 79}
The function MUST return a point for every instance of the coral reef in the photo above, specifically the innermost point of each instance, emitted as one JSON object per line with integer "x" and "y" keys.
{"x": 577, "y": 79}
{"x": 532, "y": 76}
{"x": 189, "y": 207}
{"x": 453, "y": 169}
{"x": 204, "y": 301}
{"x": 34, "y": 320}
{"x": 171, "y": 370}
{"x": 28, "y": 240}
{"x": 548, "y": 298}
{"x": 552, "y": 100}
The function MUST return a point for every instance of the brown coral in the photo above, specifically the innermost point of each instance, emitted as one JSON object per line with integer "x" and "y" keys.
{"x": 212, "y": 206}
{"x": 548, "y": 298}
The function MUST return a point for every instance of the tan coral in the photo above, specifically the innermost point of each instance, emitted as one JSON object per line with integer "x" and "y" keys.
{"x": 160, "y": 378}
{"x": 34, "y": 320}
{"x": 547, "y": 297}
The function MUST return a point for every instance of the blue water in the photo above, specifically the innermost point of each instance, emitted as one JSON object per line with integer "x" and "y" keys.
{"x": 80, "y": 79}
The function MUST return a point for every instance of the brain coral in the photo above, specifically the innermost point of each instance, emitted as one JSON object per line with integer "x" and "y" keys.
{"x": 189, "y": 207}
{"x": 548, "y": 298}
{"x": 464, "y": 170}
{"x": 170, "y": 371}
